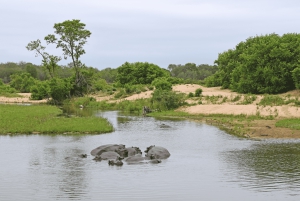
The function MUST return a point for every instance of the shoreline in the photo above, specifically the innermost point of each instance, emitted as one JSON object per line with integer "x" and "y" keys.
{"x": 223, "y": 114}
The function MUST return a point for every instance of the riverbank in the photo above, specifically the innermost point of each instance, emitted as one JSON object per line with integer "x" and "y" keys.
{"x": 253, "y": 116}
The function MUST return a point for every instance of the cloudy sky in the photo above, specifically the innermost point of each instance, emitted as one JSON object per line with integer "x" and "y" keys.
{"x": 162, "y": 32}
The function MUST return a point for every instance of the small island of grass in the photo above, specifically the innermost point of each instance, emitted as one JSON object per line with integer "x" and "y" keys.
{"x": 45, "y": 119}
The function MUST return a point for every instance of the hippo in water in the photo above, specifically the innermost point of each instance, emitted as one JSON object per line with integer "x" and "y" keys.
{"x": 106, "y": 148}
{"x": 116, "y": 162}
{"x": 157, "y": 152}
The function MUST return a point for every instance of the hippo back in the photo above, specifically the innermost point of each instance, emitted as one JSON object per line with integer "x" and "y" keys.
{"x": 158, "y": 152}
{"x": 109, "y": 155}
{"x": 135, "y": 159}
{"x": 104, "y": 148}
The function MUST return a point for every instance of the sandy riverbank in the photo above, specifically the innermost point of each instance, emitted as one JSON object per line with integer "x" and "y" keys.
{"x": 257, "y": 128}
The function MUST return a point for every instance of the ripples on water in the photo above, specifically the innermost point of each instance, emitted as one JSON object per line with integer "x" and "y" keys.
{"x": 205, "y": 164}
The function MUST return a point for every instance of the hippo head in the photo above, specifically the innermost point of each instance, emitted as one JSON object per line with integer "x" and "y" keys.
{"x": 122, "y": 152}
{"x": 148, "y": 148}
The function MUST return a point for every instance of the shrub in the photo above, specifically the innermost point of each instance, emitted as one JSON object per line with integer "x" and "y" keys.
{"x": 167, "y": 100}
{"x": 198, "y": 92}
{"x": 40, "y": 90}
{"x": 162, "y": 84}
{"x": 191, "y": 95}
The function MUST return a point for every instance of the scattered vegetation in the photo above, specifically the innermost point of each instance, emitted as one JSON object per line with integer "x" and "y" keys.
{"x": 248, "y": 99}
{"x": 289, "y": 123}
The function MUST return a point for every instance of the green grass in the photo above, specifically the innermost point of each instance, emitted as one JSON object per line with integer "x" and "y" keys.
{"x": 9, "y": 95}
{"x": 45, "y": 119}
{"x": 289, "y": 123}
{"x": 248, "y": 99}
{"x": 272, "y": 100}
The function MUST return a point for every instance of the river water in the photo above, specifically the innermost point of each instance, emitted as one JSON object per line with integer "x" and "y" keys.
{"x": 206, "y": 163}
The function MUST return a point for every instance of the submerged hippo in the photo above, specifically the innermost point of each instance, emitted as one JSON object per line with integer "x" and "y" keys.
{"x": 116, "y": 162}
{"x": 138, "y": 158}
{"x": 106, "y": 148}
{"x": 109, "y": 155}
{"x": 157, "y": 152}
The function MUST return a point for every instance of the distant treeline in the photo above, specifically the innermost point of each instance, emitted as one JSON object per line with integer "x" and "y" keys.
{"x": 36, "y": 71}
{"x": 189, "y": 72}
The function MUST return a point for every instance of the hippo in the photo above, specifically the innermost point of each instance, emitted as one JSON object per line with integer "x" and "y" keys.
{"x": 133, "y": 151}
{"x": 164, "y": 126}
{"x": 109, "y": 155}
{"x": 123, "y": 152}
{"x": 138, "y": 158}
{"x": 116, "y": 162}
{"x": 107, "y": 147}
{"x": 156, "y": 152}
{"x": 155, "y": 161}
{"x": 83, "y": 155}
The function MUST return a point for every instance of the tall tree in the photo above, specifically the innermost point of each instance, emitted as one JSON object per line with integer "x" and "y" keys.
{"x": 49, "y": 61}
{"x": 71, "y": 36}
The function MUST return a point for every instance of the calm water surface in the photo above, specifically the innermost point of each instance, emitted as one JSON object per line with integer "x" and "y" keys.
{"x": 205, "y": 164}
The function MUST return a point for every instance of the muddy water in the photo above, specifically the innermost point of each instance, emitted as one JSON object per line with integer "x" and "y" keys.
{"x": 205, "y": 164}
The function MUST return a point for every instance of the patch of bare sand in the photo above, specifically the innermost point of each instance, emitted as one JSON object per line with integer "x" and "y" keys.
{"x": 25, "y": 98}
{"x": 277, "y": 111}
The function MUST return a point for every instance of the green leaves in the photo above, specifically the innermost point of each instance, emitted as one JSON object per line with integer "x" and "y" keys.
{"x": 261, "y": 64}
{"x": 139, "y": 73}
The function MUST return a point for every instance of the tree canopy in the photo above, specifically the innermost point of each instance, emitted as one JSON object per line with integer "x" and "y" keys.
{"x": 70, "y": 36}
{"x": 261, "y": 64}
{"x": 139, "y": 73}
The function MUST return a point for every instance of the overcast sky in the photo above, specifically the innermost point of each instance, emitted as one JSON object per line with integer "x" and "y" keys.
{"x": 162, "y": 32}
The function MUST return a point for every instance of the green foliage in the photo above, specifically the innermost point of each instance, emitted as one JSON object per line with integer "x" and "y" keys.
{"x": 272, "y": 100}
{"x": 99, "y": 85}
{"x": 261, "y": 64}
{"x": 212, "y": 99}
{"x": 289, "y": 123}
{"x": 71, "y": 36}
{"x": 175, "y": 80}
{"x": 248, "y": 99}
{"x": 236, "y": 98}
{"x": 296, "y": 77}
{"x": 139, "y": 73}
{"x": 40, "y": 90}
{"x": 191, "y": 95}
{"x": 22, "y": 82}
{"x": 5, "y": 89}
{"x": 167, "y": 100}
{"x": 31, "y": 70}
{"x": 192, "y": 72}
{"x": 162, "y": 83}
{"x": 108, "y": 74}
{"x": 60, "y": 89}
{"x": 198, "y": 92}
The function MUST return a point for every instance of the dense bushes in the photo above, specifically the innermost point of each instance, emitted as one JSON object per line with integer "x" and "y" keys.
{"x": 167, "y": 100}
{"x": 6, "y": 89}
{"x": 162, "y": 84}
{"x": 261, "y": 64}
{"x": 139, "y": 73}
{"x": 22, "y": 82}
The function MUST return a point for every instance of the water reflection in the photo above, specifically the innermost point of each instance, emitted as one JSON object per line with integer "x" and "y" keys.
{"x": 266, "y": 166}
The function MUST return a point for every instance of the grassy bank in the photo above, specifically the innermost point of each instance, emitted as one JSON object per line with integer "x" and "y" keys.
{"x": 47, "y": 119}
